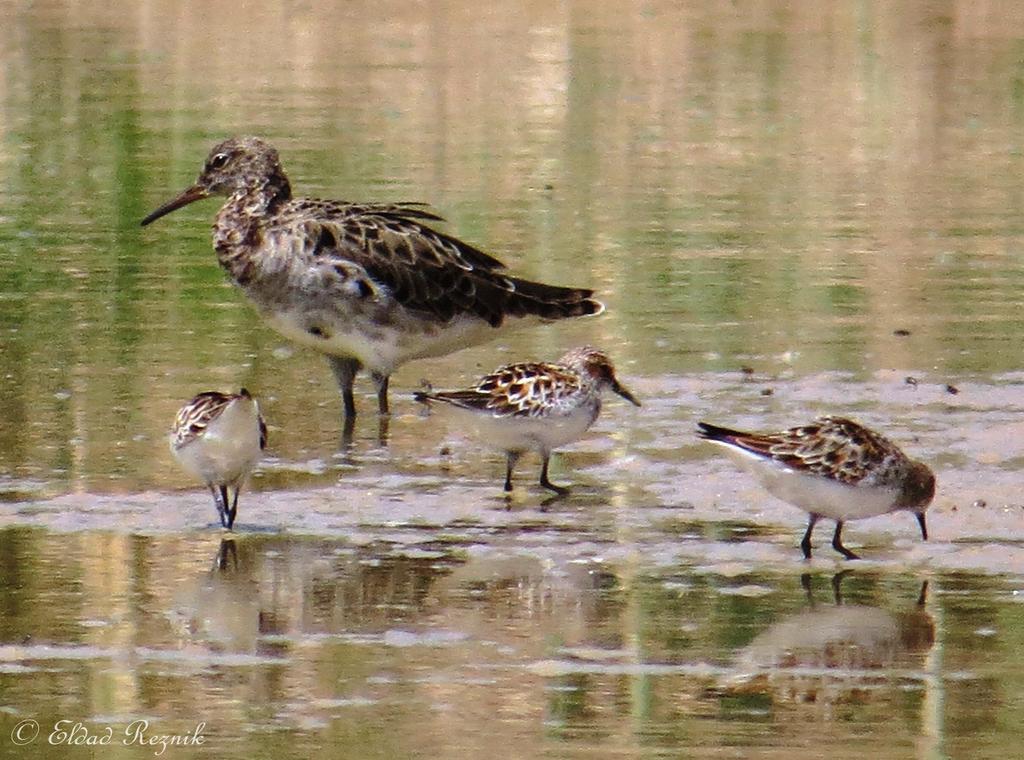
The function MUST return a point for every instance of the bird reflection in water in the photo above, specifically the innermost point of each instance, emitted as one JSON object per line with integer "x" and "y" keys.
{"x": 227, "y": 556}
{"x": 830, "y": 649}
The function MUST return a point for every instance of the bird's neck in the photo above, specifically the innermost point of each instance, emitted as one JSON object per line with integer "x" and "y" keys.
{"x": 259, "y": 200}
{"x": 240, "y": 224}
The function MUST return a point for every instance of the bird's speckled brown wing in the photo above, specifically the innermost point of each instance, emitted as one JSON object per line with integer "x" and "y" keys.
{"x": 517, "y": 390}
{"x": 834, "y": 447}
{"x": 193, "y": 418}
{"x": 426, "y": 270}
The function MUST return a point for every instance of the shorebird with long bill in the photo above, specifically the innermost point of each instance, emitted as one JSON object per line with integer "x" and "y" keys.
{"x": 371, "y": 286}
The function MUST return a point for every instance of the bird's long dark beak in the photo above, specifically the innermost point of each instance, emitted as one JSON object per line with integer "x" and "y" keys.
{"x": 194, "y": 193}
{"x": 624, "y": 392}
{"x": 924, "y": 528}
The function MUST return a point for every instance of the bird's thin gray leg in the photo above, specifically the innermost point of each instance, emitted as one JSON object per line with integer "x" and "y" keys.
{"x": 348, "y": 429}
{"x": 345, "y": 369}
{"x": 381, "y": 383}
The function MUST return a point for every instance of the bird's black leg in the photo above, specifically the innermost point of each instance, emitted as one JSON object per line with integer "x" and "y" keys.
{"x": 348, "y": 429}
{"x": 345, "y": 369}
{"x": 234, "y": 508}
{"x": 218, "y": 503}
{"x": 381, "y": 383}
{"x": 837, "y": 542}
{"x": 511, "y": 458}
{"x": 383, "y": 428}
{"x": 560, "y": 490}
{"x": 806, "y": 543}
{"x": 924, "y": 526}
{"x": 225, "y": 515}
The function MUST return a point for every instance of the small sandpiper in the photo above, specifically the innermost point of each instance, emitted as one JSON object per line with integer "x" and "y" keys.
{"x": 536, "y": 406}
{"x": 834, "y": 468}
{"x": 219, "y": 437}
{"x": 369, "y": 285}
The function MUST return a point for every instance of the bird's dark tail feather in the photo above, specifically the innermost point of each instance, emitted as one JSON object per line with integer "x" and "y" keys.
{"x": 709, "y": 432}
{"x": 468, "y": 399}
{"x": 494, "y": 297}
{"x": 551, "y": 301}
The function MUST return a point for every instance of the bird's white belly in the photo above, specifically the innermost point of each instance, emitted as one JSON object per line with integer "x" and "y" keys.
{"x": 529, "y": 433}
{"x": 380, "y": 346}
{"x": 227, "y": 450}
{"x": 816, "y": 493}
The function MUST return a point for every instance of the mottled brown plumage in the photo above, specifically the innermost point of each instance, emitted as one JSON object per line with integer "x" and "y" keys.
{"x": 523, "y": 390}
{"x": 537, "y": 406}
{"x": 369, "y": 285}
{"x": 832, "y": 467}
{"x": 834, "y": 447}
{"x": 218, "y": 437}
{"x": 195, "y": 416}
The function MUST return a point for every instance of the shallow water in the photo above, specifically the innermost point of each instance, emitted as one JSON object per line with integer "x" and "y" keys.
{"x": 789, "y": 209}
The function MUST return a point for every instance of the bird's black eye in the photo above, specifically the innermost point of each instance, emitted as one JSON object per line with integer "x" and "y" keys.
{"x": 218, "y": 161}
